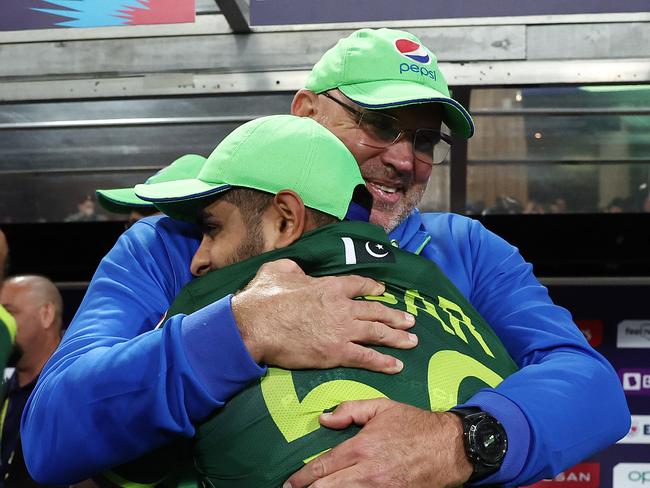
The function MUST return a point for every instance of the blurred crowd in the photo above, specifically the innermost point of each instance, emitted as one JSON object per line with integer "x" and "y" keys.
{"x": 509, "y": 205}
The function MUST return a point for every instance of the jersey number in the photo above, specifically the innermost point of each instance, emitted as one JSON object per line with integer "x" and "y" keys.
{"x": 295, "y": 418}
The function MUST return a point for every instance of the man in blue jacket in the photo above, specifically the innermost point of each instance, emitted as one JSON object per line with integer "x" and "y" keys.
{"x": 131, "y": 389}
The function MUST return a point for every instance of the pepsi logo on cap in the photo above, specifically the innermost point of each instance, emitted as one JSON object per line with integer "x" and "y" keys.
{"x": 412, "y": 50}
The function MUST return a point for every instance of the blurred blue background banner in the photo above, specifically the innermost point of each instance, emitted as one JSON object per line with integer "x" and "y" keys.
{"x": 278, "y": 12}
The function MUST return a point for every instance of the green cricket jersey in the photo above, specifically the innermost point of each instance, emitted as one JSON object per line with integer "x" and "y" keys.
{"x": 271, "y": 429}
{"x": 7, "y": 335}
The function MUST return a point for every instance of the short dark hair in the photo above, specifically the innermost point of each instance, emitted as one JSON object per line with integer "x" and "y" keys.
{"x": 145, "y": 211}
{"x": 252, "y": 203}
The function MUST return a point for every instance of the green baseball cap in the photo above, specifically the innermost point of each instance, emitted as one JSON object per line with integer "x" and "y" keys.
{"x": 385, "y": 68}
{"x": 268, "y": 154}
{"x": 123, "y": 200}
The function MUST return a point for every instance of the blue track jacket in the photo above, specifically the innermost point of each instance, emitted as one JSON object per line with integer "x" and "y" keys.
{"x": 115, "y": 388}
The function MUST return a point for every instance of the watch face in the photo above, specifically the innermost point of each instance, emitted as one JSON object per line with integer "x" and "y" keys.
{"x": 490, "y": 442}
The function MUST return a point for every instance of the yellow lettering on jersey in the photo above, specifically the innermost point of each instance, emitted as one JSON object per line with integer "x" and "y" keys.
{"x": 446, "y": 372}
{"x": 386, "y": 298}
{"x": 295, "y": 418}
{"x": 412, "y": 308}
{"x": 311, "y": 458}
{"x": 449, "y": 306}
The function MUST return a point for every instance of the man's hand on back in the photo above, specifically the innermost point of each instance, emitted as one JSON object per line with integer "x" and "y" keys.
{"x": 294, "y": 321}
{"x": 399, "y": 445}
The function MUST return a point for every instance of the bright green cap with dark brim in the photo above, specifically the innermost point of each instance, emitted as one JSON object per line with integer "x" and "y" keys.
{"x": 387, "y": 68}
{"x": 120, "y": 200}
{"x": 123, "y": 200}
{"x": 269, "y": 154}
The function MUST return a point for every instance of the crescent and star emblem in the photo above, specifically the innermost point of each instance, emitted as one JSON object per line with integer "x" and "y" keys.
{"x": 374, "y": 254}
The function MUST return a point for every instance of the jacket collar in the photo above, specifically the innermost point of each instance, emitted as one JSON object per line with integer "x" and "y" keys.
{"x": 410, "y": 235}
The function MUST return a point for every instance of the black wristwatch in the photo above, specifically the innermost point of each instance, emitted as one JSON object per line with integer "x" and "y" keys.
{"x": 486, "y": 442}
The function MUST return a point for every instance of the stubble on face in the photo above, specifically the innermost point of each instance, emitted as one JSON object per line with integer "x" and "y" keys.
{"x": 251, "y": 245}
{"x": 388, "y": 215}
{"x": 375, "y": 165}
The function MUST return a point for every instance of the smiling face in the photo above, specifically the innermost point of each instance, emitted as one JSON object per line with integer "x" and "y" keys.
{"x": 395, "y": 178}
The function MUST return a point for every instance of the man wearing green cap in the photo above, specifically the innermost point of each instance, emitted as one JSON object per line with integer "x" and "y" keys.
{"x": 265, "y": 189}
{"x": 125, "y": 201}
{"x": 381, "y": 93}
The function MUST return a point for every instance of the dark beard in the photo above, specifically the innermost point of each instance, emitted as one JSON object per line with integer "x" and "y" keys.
{"x": 252, "y": 245}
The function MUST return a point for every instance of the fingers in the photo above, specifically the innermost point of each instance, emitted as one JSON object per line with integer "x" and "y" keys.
{"x": 376, "y": 333}
{"x": 377, "y": 312}
{"x": 278, "y": 331}
{"x": 351, "y": 477}
{"x": 357, "y": 286}
{"x": 339, "y": 458}
{"x": 383, "y": 326}
{"x": 356, "y": 356}
{"x": 357, "y": 412}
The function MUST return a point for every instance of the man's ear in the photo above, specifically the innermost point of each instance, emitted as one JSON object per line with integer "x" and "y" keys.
{"x": 305, "y": 104}
{"x": 286, "y": 219}
{"x": 47, "y": 313}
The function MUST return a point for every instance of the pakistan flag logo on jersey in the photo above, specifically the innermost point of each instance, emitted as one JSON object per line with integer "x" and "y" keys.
{"x": 359, "y": 251}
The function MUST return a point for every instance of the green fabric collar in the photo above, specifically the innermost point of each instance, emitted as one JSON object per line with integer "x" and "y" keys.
{"x": 346, "y": 227}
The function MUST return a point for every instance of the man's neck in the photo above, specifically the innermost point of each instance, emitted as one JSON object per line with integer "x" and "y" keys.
{"x": 26, "y": 374}
{"x": 28, "y": 370}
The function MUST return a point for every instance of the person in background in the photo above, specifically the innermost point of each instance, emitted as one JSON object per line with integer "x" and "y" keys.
{"x": 382, "y": 93}
{"x": 85, "y": 212}
{"x": 558, "y": 206}
{"x": 7, "y": 322}
{"x": 37, "y": 307}
{"x": 619, "y": 205}
{"x": 504, "y": 204}
{"x": 125, "y": 201}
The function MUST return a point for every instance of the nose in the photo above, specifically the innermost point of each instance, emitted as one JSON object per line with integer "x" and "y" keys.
{"x": 400, "y": 154}
{"x": 200, "y": 264}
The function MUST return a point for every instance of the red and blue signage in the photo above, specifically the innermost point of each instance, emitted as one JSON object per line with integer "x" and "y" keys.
{"x": 584, "y": 475}
{"x": 44, "y": 14}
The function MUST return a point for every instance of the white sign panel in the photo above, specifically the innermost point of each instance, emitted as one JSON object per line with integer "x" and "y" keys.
{"x": 633, "y": 334}
{"x": 632, "y": 475}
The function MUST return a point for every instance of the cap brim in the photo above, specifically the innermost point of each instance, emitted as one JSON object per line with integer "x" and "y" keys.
{"x": 178, "y": 191}
{"x": 120, "y": 200}
{"x": 180, "y": 199}
{"x": 395, "y": 93}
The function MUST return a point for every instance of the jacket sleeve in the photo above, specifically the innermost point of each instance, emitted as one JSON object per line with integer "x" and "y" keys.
{"x": 566, "y": 403}
{"x": 115, "y": 388}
